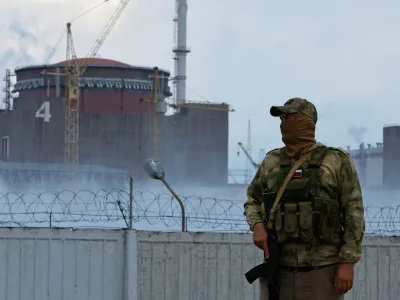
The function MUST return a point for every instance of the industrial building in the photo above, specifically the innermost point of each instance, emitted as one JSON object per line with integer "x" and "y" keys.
{"x": 118, "y": 127}
{"x": 378, "y": 165}
{"x": 368, "y": 160}
{"x": 100, "y": 119}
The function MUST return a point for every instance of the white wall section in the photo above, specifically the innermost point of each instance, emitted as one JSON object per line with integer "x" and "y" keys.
{"x": 91, "y": 264}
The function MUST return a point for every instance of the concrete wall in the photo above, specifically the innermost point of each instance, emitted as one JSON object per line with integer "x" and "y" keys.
{"x": 61, "y": 264}
{"x": 128, "y": 265}
{"x": 193, "y": 146}
{"x": 195, "y": 266}
{"x": 196, "y": 146}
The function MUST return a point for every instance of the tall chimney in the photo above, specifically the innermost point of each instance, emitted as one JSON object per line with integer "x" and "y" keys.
{"x": 180, "y": 50}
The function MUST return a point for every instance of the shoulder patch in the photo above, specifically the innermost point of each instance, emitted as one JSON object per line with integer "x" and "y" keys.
{"x": 340, "y": 150}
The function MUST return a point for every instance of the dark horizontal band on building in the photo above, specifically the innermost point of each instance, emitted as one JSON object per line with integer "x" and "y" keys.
{"x": 93, "y": 83}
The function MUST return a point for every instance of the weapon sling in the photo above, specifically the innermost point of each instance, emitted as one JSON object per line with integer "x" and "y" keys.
{"x": 260, "y": 270}
{"x": 281, "y": 190}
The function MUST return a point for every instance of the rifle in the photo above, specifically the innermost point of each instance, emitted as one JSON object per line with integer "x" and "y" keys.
{"x": 270, "y": 267}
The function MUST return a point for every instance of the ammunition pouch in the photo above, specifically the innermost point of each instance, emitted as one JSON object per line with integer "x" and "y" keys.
{"x": 310, "y": 222}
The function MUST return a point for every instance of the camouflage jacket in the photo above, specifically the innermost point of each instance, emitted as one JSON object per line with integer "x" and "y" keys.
{"x": 339, "y": 174}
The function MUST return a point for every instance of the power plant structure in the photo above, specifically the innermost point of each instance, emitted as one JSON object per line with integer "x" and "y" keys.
{"x": 101, "y": 119}
{"x": 378, "y": 165}
{"x": 116, "y": 123}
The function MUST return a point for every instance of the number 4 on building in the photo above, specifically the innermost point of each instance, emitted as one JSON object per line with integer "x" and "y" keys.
{"x": 44, "y": 112}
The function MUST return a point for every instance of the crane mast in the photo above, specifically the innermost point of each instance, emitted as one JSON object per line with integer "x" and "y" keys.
{"x": 73, "y": 72}
{"x": 255, "y": 165}
{"x": 71, "y": 114}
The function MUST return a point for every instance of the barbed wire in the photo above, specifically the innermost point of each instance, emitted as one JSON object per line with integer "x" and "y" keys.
{"x": 151, "y": 211}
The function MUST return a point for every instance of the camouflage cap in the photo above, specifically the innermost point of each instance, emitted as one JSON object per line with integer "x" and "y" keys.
{"x": 296, "y": 105}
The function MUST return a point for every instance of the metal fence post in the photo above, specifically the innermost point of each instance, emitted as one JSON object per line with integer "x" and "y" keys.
{"x": 130, "y": 202}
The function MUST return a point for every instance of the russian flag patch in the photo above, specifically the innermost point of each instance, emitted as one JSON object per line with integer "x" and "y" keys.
{"x": 298, "y": 174}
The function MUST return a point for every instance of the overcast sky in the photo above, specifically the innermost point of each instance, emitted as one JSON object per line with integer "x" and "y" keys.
{"x": 342, "y": 56}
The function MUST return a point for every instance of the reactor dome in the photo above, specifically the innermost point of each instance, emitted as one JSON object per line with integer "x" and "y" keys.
{"x": 107, "y": 86}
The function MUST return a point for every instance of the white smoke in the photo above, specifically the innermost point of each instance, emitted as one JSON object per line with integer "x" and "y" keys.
{"x": 357, "y": 132}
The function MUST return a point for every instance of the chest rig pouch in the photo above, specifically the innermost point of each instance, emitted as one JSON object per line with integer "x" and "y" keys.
{"x": 302, "y": 216}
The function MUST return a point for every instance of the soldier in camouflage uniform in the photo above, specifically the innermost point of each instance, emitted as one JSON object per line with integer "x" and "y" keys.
{"x": 319, "y": 221}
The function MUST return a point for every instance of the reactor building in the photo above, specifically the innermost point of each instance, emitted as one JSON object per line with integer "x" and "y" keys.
{"x": 118, "y": 127}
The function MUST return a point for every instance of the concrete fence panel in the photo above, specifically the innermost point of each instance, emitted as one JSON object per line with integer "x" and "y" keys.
{"x": 196, "y": 266}
{"x": 91, "y": 264}
{"x": 61, "y": 264}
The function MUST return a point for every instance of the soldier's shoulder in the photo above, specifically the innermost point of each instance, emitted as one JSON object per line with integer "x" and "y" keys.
{"x": 338, "y": 151}
{"x": 336, "y": 156}
{"x": 274, "y": 152}
{"x": 272, "y": 158}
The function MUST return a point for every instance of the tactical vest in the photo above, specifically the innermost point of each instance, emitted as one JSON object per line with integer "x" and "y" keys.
{"x": 303, "y": 216}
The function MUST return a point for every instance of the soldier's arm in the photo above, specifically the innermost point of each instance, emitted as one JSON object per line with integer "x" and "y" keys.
{"x": 252, "y": 207}
{"x": 353, "y": 211}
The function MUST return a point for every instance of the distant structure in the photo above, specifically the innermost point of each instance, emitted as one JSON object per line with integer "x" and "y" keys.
{"x": 368, "y": 160}
{"x": 391, "y": 156}
{"x": 180, "y": 51}
{"x": 115, "y": 124}
{"x": 378, "y": 165}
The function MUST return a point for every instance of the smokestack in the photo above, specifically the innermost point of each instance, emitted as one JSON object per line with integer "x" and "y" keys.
{"x": 180, "y": 50}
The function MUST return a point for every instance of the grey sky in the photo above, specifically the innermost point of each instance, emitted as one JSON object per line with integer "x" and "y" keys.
{"x": 342, "y": 56}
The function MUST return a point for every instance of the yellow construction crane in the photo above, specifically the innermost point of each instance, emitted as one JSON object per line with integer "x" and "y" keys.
{"x": 73, "y": 71}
